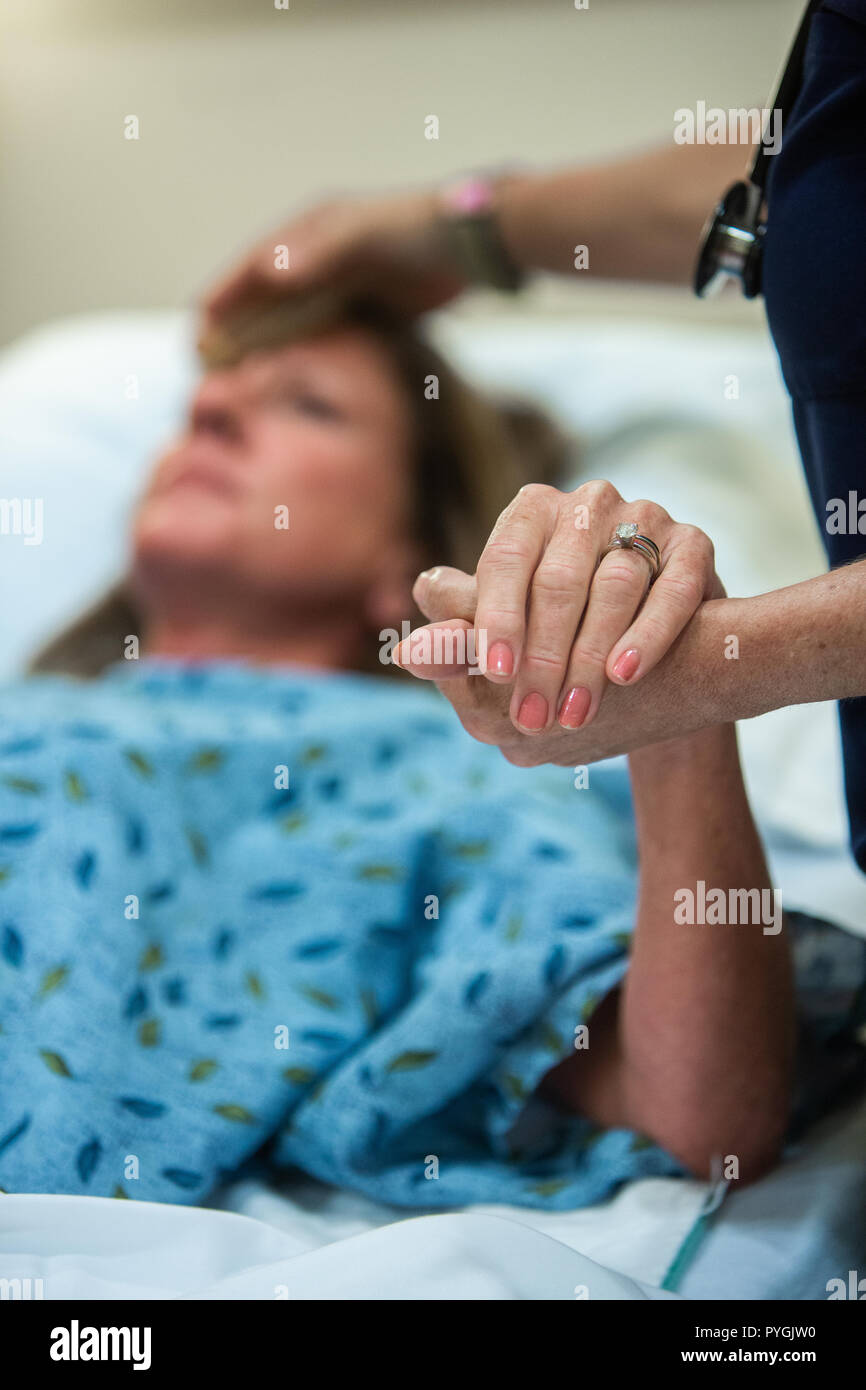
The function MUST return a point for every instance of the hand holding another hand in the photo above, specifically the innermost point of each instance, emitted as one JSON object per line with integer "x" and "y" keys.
{"x": 569, "y": 640}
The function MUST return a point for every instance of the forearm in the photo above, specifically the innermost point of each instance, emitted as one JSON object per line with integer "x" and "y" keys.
{"x": 736, "y": 659}
{"x": 797, "y": 645}
{"x": 705, "y": 1028}
{"x": 695, "y": 1049}
{"x": 639, "y": 217}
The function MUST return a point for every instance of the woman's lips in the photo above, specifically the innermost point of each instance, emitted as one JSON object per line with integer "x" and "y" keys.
{"x": 203, "y": 475}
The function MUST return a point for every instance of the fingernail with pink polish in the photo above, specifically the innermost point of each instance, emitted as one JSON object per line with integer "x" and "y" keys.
{"x": 626, "y": 665}
{"x": 575, "y": 707}
{"x": 532, "y": 714}
{"x": 500, "y": 659}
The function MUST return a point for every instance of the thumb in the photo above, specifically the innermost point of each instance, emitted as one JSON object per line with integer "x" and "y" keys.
{"x": 444, "y": 592}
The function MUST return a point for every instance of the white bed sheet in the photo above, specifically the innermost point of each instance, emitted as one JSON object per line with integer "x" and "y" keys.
{"x": 99, "y": 1248}
{"x": 637, "y": 1233}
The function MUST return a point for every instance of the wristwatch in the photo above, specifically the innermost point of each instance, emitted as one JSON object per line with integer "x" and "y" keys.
{"x": 471, "y": 226}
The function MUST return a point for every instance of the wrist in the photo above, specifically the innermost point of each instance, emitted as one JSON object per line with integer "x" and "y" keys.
{"x": 692, "y": 751}
{"x": 689, "y": 791}
{"x": 516, "y": 209}
{"x": 739, "y": 658}
{"x": 698, "y": 683}
{"x": 468, "y": 216}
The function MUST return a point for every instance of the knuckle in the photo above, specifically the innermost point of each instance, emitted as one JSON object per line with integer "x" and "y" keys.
{"x": 683, "y": 590}
{"x": 506, "y": 552}
{"x": 618, "y": 579}
{"x": 588, "y": 654}
{"x": 500, "y": 625}
{"x": 425, "y": 581}
{"x": 518, "y": 755}
{"x": 655, "y": 632}
{"x": 542, "y": 660}
{"x": 700, "y": 543}
{"x": 538, "y": 494}
{"x": 506, "y": 515}
{"x": 477, "y": 727}
{"x": 499, "y": 617}
{"x": 599, "y": 491}
{"x": 556, "y": 578}
{"x": 651, "y": 512}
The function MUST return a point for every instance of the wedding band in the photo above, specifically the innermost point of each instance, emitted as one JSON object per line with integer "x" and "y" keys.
{"x": 626, "y": 536}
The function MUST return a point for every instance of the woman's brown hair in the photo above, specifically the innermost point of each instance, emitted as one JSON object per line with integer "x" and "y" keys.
{"x": 471, "y": 455}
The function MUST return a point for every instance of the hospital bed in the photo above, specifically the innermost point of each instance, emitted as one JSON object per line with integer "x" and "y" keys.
{"x": 693, "y": 418}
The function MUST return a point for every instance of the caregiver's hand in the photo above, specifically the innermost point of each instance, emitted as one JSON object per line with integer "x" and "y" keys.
{"x": 690, "y": 688}
{"x": 389, "y": 247}
{"x": 559, "y": 623}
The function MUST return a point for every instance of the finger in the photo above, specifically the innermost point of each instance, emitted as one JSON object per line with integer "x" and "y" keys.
{"x": 444, "y": 592}
{"x": 557, "y": 598}
{"x": 616, "y": 593}
{"x": 505, "y": 572}
{"x": 247, "y": 282}
{"x": 314, "y": 245}
{"x": 683, "y": 583}
{"x": 441, "y": 651}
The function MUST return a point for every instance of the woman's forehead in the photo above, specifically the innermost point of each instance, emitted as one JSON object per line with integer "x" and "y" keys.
{"x": 350, "y": 361}
{"x": 348, "y": 350}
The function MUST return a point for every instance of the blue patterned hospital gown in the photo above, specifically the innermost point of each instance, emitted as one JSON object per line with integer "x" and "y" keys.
{"x": 363, "y": 974}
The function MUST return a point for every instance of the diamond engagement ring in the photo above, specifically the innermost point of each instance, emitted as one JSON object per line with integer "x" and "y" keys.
{"x": 627, "y": 537}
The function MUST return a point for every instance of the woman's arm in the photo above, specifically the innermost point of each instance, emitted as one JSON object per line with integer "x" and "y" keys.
{"x": 695, "y": 1050}
{"x": 639, "y": 217}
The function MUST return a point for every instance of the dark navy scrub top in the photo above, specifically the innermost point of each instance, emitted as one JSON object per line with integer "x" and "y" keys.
{"x": 814, "y": 282}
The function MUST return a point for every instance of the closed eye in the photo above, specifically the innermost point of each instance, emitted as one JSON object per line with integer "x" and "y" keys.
{"x": 319, "y": 406}
{"x": 309, "y": 403}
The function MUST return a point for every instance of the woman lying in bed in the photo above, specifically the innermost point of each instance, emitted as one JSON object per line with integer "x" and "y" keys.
{"x": 260, "y": 894}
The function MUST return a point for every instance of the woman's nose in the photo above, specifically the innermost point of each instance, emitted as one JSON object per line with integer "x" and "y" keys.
{"x": 217, "y": 407}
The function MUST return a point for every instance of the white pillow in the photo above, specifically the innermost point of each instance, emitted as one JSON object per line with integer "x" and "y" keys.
{"x": 84, "y": 406}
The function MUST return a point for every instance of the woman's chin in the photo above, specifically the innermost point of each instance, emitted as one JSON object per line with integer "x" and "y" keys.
{"x": 190, "y": 551}
{"x": 199, "y": 533}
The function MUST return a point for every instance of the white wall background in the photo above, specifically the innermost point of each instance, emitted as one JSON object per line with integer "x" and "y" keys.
{"x": 247, "y": 112}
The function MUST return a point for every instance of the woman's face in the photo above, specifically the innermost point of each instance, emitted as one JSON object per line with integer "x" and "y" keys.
{"x": 291, "y": 482}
